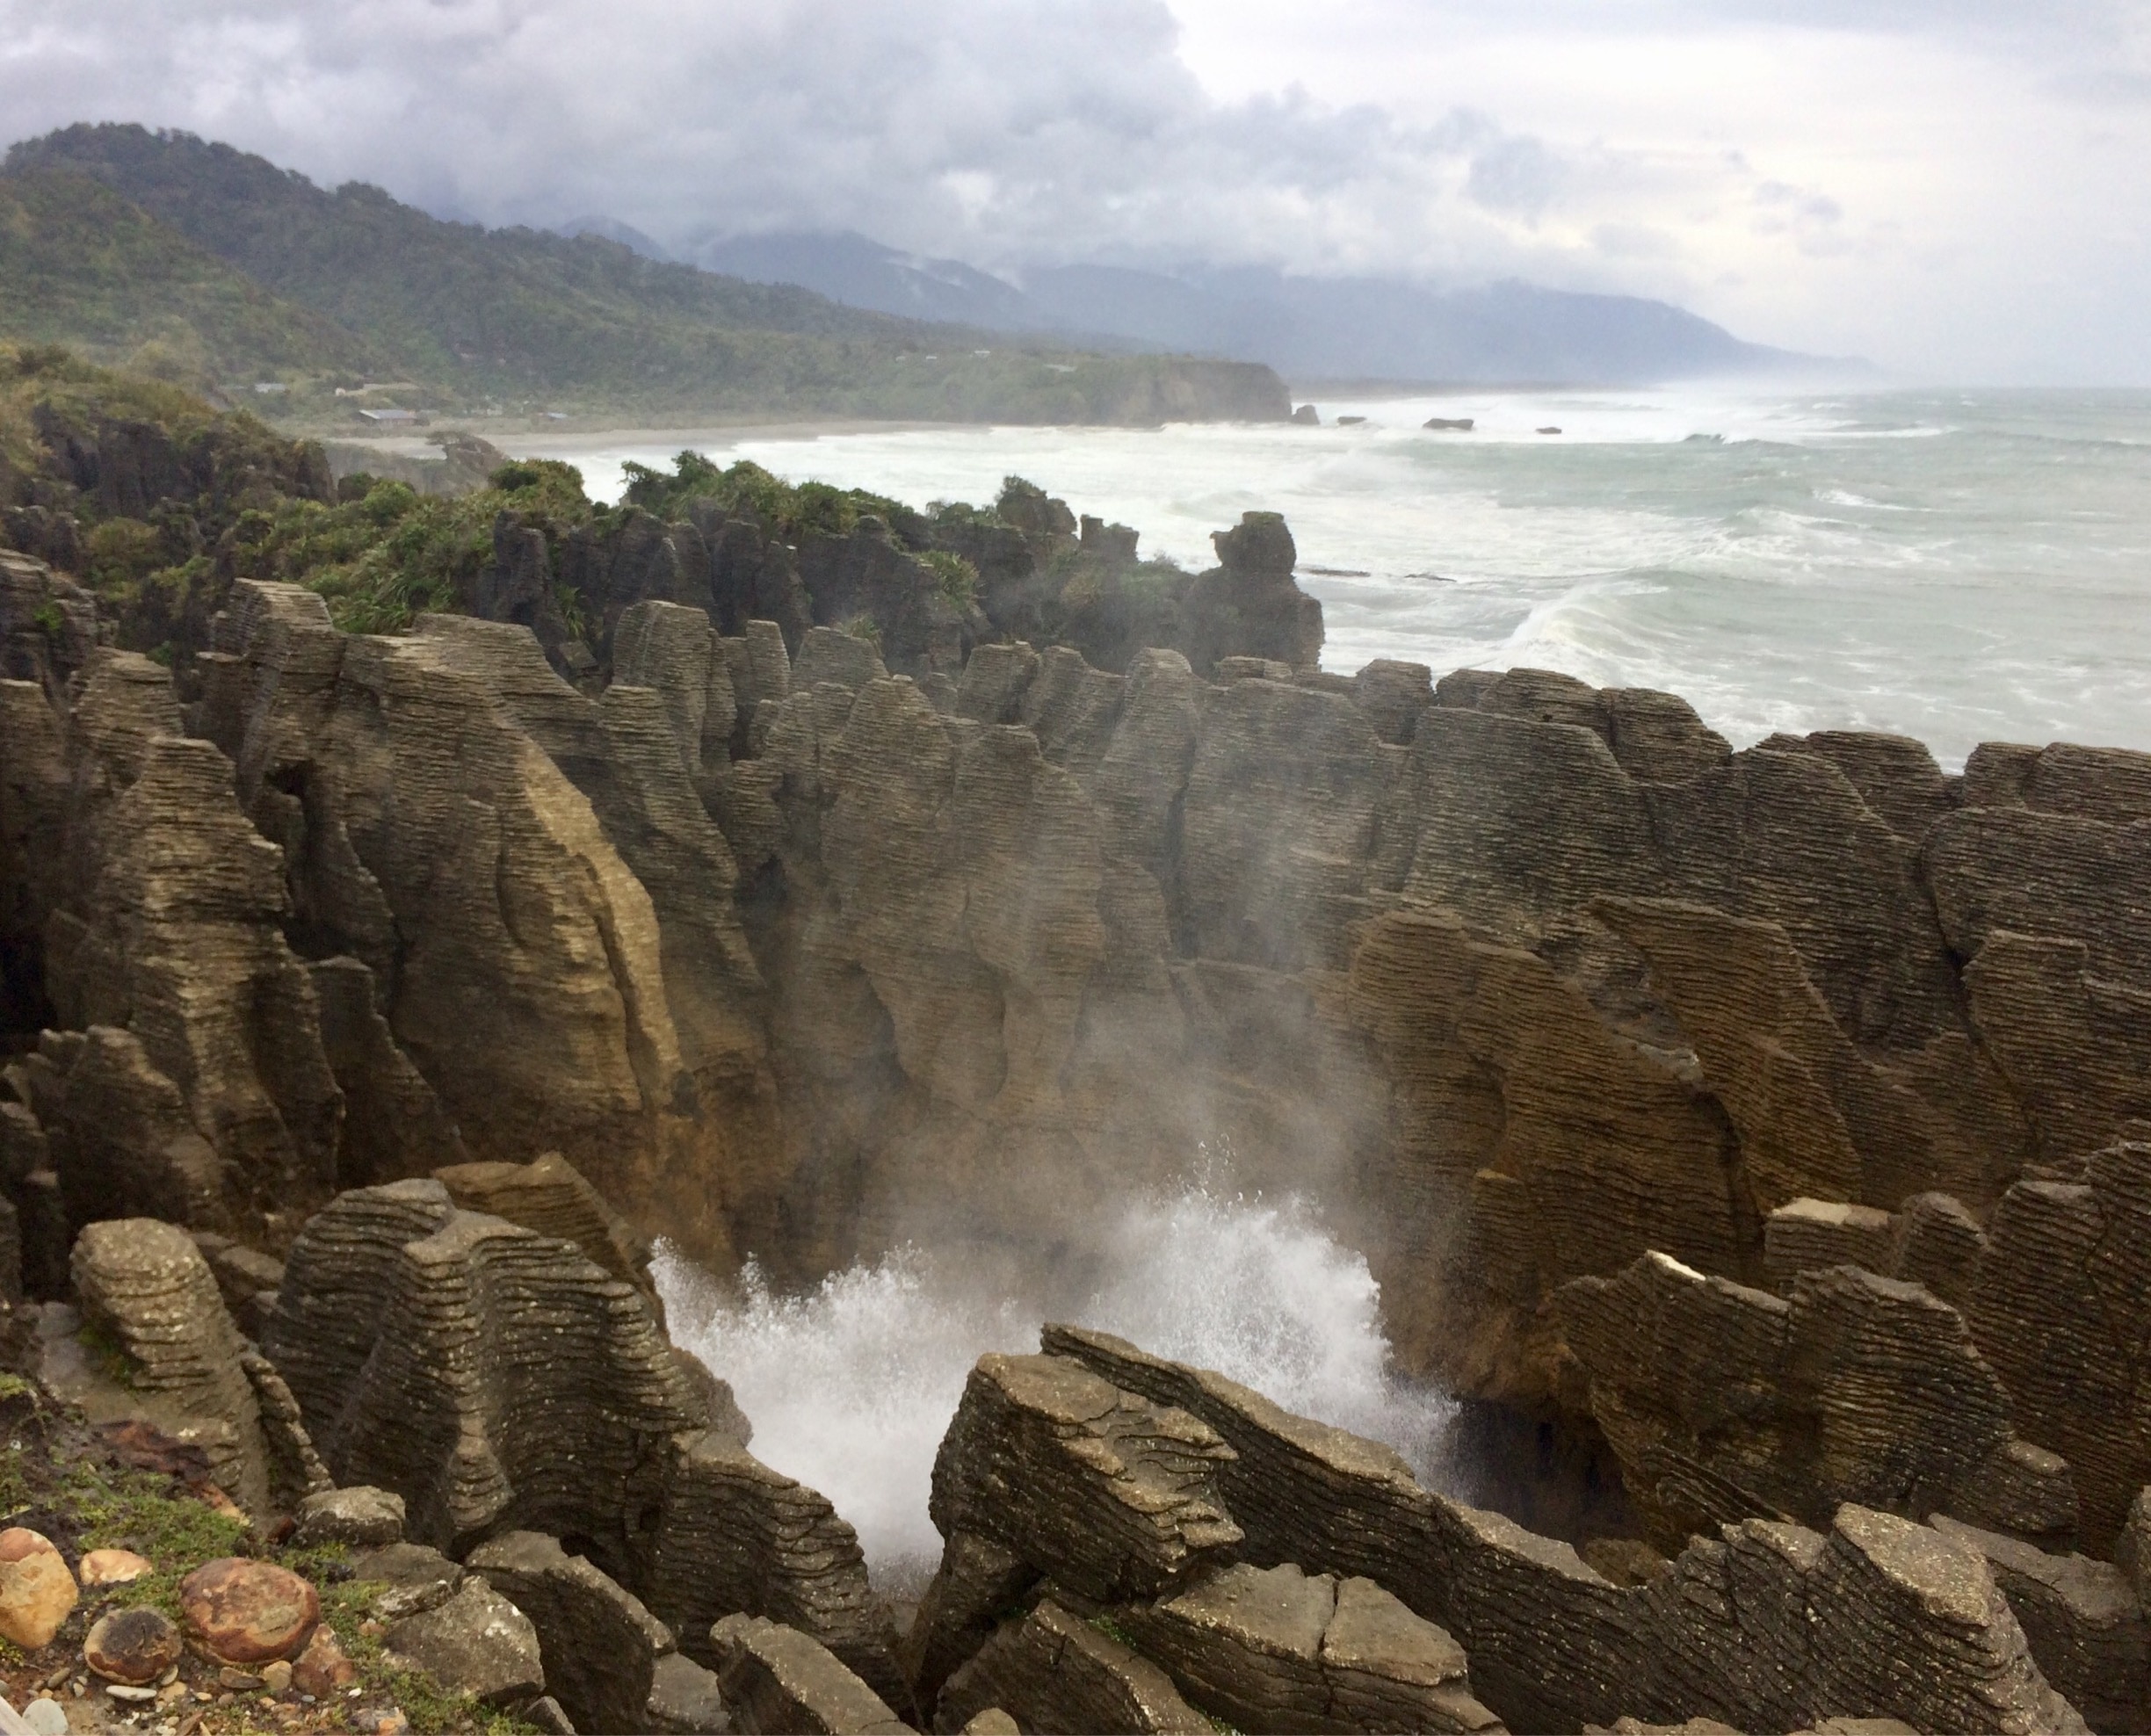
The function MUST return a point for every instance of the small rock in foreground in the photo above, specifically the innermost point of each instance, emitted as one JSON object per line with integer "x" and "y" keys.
{"x": 322, "y": 1667}
{"x": 243, "y": 1612}
{"x": 363, "y": 1516}
{"x": 115, "y": 1566}
{"x": 476, "y": 1643}
{"x": 37, "y": 1592}
{"x": 45, "y": 1718}
{"x": 134, "y": 1647}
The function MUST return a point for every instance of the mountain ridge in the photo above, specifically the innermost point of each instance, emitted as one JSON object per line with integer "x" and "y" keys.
{"x": 497, "y": 317}
{"x": 1305, "y": 328}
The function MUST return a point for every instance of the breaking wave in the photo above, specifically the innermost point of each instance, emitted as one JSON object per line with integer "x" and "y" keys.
{"x": 850, "y": 1386}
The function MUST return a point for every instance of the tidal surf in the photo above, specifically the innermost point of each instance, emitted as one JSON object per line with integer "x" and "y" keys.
{"x": 1954, "y": 566}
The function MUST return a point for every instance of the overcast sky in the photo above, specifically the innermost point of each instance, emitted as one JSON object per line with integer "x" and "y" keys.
{"x": 1959, "y": 189}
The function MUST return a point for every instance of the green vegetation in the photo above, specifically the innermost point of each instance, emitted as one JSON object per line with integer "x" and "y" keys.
{"x": 394, "y": 554}
{"x": 138, "y": 1510}
{"x": 200, "y": 260}
{"x": 347, "y": 1608}
{"x": 241, "y": 500}
{"x": 73, "y": 392}
{"x": 104, "y": 1350}
{"x": 959, "y": 577}
{"x": 81, "y": 266}
{"x": 789, "y": 510}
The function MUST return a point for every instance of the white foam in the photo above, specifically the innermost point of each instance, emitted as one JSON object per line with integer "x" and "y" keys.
{"x": 851, "y": 1386}
{"x": 1954, "y": 567}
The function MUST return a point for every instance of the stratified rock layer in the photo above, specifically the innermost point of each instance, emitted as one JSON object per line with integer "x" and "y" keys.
{"x": 498, "y": 1381}
{"x": 1769, "y": 1625}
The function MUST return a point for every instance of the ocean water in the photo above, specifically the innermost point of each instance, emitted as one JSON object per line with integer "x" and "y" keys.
{"x": 851, "y": 1386}
{"x": 1958, "y": 566}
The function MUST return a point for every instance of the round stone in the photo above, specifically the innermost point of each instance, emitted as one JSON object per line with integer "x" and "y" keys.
{"x": 45, "y": 1718}
{"x": 246, "y": 1613}
{"x": 37, "y": 1591}
{"x": 135, "y": 1646}
{"x": 131, "y": 1647}
{"x": 113, "y": 1566}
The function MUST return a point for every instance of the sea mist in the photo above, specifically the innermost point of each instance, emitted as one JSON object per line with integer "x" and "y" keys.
{"x": 850, "y": 1386}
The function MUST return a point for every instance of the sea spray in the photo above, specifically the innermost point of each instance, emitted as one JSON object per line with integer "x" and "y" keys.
{"x": 851, "y": 1386}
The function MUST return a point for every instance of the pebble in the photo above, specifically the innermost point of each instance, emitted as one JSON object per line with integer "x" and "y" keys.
{"x": 322, "y": 1667}
{"x": 238, "y": 1680}
{"x": 120, "y": 1690}
{"x": 131, "y": 1647}
{"x": 238, "y": 1611}
{"x": 115, "y": 1566}
{"x": 37, "y": 1592}
{"x": 47, "y": 1718}
{"x": 277, "y": 1677}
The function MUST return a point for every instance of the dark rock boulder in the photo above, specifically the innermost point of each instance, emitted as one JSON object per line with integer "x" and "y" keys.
{"x": 599, "y": 1646}
{"x": 777, "y": 1679}
{"x": 1053, "y": 1672}
{"x": 1249, "y": 605}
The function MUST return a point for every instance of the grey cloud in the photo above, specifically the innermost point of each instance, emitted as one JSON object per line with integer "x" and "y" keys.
{"x": 1018, "y": 132}
{"x": 1004, "y": 131}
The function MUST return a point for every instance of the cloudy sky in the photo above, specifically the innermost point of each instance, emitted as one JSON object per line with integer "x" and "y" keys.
{"x": 1959, "y": 189}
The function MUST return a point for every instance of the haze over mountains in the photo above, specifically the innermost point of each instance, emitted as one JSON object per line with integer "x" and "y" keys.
{"x": 1307, "y": 328}
{"x": 203, "y": 264}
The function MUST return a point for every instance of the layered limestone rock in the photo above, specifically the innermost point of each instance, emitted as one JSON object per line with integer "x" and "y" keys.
{"x": 1531, "y": 980}
{"x": 493, "y": 1378}
{"x": 1052, "y": 1671}
{"x": 2083, "y": 1620}
{"x": 1279, "y": 1650}
{"x": 734, "y": 1536}
{"x": 499, "y": 1380}
{"x": 2060, "y": 1309}
{"x": 1725, "y": 1403}
{"x": 777, "y": 1679}
{"x": 599, "y": 1646}
{"x": 156, "y": 1324}
{"x": 1767, "y": 1625}
{"x": 531, "y": 879}
{"x": 1114, "y": 1497}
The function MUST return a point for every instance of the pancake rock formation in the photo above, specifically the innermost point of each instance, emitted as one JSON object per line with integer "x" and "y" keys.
{"x": 1767, "y": 1127}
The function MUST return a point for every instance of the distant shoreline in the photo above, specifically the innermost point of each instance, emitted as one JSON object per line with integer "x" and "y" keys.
{"x": 547, "y": 443}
